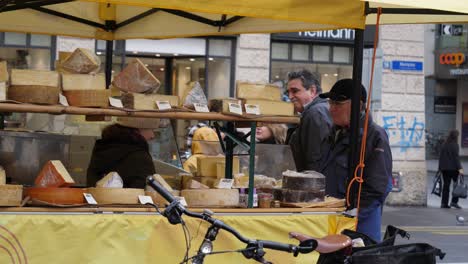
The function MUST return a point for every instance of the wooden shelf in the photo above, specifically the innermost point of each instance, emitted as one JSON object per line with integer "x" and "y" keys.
{"x": 73, "y": 110}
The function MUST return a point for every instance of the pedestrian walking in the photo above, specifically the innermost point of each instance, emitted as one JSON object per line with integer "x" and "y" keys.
{"x": 450, "y": 165}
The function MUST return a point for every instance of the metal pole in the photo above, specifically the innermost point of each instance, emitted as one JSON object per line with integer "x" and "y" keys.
{"x": 109, "y": 53}
{"x": 253, "y": 128}
{"x": 229, "y": 150}
{"x": 355, "y": 105}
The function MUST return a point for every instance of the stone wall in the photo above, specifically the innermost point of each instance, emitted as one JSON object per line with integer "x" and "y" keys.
{"x": 402, "y": 111}
{"x": 253, "y": 58}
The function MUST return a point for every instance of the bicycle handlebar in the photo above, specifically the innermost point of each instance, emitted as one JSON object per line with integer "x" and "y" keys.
{"x": 180, "y": 209}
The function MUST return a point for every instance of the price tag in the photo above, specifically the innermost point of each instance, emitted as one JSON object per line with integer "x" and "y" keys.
{"x": 63, "y": 100}
{"x": 115, "y": 102}
{"x": 252, "y": 109}
{"x": 144, "y": 199}
{"x": 235, "y": 108}
{"x": 201, "y": 107}
{"x": 163, "y": 105}
{"x": 89, "y": 198}
{"x": 181, "y": 200}
{"x": 225, "y": 184}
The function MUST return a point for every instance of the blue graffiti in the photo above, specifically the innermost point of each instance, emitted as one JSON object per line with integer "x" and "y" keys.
{"x": 409, "y": 137}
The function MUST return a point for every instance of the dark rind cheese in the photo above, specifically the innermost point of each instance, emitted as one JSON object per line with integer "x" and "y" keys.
{"x": 299, "y": 196}
{"x": 303, "y": 183}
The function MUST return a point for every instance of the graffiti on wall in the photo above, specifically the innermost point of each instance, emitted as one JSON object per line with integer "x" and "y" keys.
{"x": 409, "y": 132}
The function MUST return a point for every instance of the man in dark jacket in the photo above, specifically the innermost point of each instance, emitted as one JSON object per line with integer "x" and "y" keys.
{"x": 123, "y": 148}
{"x": 315, "y": 124}
{"x": 378, "y": 159}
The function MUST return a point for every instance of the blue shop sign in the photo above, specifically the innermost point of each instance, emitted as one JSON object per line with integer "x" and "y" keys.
{"x": 403, "y": 65}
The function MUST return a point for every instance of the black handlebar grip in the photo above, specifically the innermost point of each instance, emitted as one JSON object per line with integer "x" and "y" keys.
{"x": 161, "y": 190}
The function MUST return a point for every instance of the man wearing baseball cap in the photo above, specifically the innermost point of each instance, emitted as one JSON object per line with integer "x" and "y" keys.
{"x": 378, "y": 159}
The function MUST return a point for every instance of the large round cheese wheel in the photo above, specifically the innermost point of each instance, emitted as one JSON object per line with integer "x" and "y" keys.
{"x": 55, "y": 195}
{"x": 211, "y": 197}
{"x": 304, "y": 181}
{"x": 116, "y": 195}
{"x": 158, "y": 199}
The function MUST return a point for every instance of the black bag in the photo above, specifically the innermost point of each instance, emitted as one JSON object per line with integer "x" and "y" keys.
{"x": 460, "y": 189}
{"x": 437, "y": 184}
{"x": 418, "y": 253}
{"x": 339, "y": 257}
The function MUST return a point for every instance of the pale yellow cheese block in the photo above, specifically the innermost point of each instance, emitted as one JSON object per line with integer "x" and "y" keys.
{"x": 246, "y": 90}
{"x": 83, "y": 82}
{"x": 206, "y": 165}
{"x": 3, "y": 91}
{"x": 2, "y": 176}
{"x": 211, "y": 197}
{"x": 11, "y": 195}
{"x": 272, "y": 107}
{"x": 139, "y": 101}
{"x": 193, "y": 184}
{"x": 35, "y": 78}
{"x": 221, "y": 168}
{"x": 3, "y": 71}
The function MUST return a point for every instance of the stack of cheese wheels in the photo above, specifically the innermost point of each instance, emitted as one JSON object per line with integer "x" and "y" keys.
{"x": 303, "y": 187}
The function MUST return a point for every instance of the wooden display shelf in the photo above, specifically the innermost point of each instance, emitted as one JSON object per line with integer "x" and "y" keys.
{"x": 73, "y": 110}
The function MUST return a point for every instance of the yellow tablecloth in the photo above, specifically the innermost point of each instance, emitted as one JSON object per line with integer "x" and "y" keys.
{"x": 147, "y": 238}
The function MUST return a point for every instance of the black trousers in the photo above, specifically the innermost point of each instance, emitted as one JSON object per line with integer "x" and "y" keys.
{"x": 448, "y": 176}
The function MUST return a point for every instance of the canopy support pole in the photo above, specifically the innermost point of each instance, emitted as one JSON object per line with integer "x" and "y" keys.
{"x": 109, "y": 54}
{"x": 355, "y": 105}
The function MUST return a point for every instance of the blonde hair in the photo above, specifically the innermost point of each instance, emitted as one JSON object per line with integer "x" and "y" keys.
{"x": 278, "y": 131}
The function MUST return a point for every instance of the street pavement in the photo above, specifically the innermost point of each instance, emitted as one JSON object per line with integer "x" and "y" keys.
{"x": 433, "y": 225}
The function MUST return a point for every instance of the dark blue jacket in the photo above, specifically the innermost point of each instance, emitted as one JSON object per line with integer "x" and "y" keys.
{"x": 378, "y": 164}
{"x": 449, "y": 158}
{"x": 306, "y": 140}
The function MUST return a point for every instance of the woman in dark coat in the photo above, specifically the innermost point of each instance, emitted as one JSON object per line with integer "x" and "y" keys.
{"x": 123, "y": 148}
{"x": 449, "y": 164}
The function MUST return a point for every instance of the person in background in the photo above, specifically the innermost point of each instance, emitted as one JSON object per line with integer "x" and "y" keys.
{"x": 450, "y": 165}
{"x": 377, "y": 174}
{"x": 123, "y": 148}
{"x": 205, "y": 141}
{"x": 271, "y": 134}
{"x": 315, "y": 124}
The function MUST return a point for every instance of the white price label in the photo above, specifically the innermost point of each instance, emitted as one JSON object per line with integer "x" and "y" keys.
{"x": 163, "y": 105}
{"x": 63, "y": 100}
{"x": 115, "y": 102}
{"x": 252, "y": 109}
{"x": 89, "y": 198}
{"x": 235, "y": 108}
{"x": 225, "y": 183}
{"x": 144, "y": 199}
{"x": 181, "y": 200}
{"x": 201, "y": 107}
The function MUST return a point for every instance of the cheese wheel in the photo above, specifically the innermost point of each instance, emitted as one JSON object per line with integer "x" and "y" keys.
{"x": 11, "y": 195}
{"x": 88, "y": 98}
{"x": 56, "y": 195}
{"x": 116, "y": 195}
{"x": 139, "y": 101}
{"x": 313, "y": 181}
{"x": 301, "y": 196}
{"x": 211, "y": 197}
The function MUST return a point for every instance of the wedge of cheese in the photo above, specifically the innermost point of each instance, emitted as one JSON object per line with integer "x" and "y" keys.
{"x": 206, "y": 165}
{"x": 162, "y": 182}
{"x": 3, "y": 71}
{"x": 111, "y": 180}
{"x": 211, "y": 197}
{"x": 139, "y": 101}
{"x": 272, "y": 107}
{"x": 81, "y": 61}
{"x": 83, "y": 82}
{"x": 263, "y": 91}
{"x": 53, "y": 174}
{"x": 136, "y": 78}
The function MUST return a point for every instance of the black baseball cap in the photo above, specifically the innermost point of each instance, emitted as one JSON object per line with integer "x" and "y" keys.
{"x": 342, "y": 90}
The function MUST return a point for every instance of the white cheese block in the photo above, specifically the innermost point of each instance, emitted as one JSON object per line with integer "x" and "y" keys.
{"x": 53, "y": 174}
{"x": 3, "y": 71}
{"x": 272, "y": 107}
{"x": 207, "y": 165}
{"x": 83, "y": 82}
{"x": 111, "y": 180}
{"x": 211, "y": 197}
{"x": 139, "y": 101}
{"x": 246, "y": 90}
{"x": 34, "y": 78}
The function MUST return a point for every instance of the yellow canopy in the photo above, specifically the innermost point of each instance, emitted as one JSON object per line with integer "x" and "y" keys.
{"x": 120, "y": 19}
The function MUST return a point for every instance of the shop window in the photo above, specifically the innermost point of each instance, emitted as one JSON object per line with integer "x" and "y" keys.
{"x": 40, "y": 40}
{"x": 341, "y": 55}
{"x": 219, "y": 77}
{"x": 300, "y": 52}
{"x": 280, "y": 51}
{"x": 16, "y": 39}
{"x": 220, "y": 47}
{"x": 321, "y": 53}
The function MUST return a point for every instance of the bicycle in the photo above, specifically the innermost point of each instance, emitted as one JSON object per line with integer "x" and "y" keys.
{"x": 255, "y": 248}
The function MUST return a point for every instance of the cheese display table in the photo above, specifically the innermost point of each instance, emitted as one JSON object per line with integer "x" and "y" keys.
{"x": 140, "y": 235}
